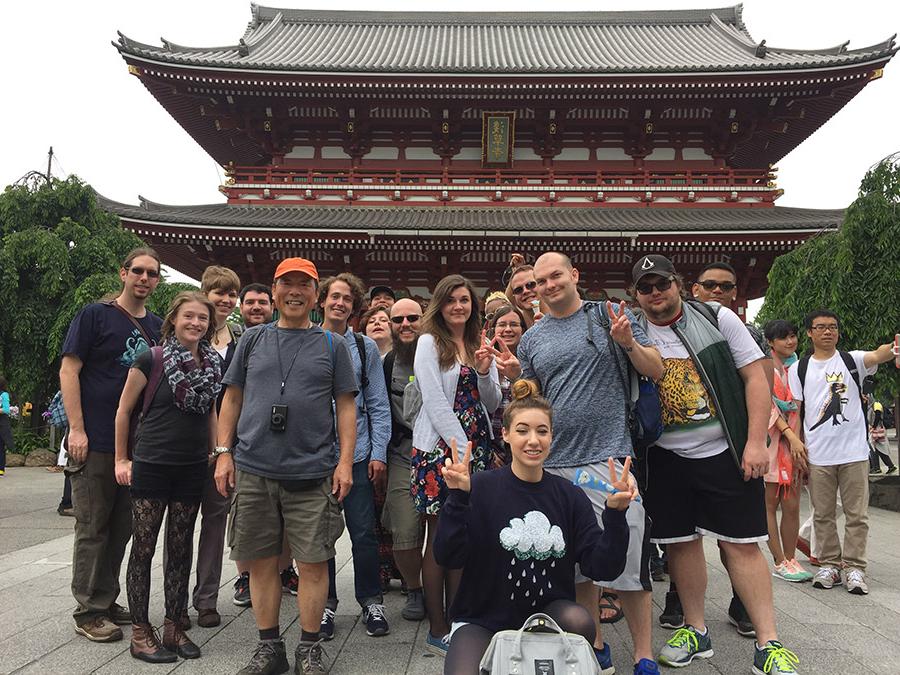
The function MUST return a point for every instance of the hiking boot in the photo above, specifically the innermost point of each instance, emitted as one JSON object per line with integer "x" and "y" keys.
{"x": 774, "y": 659}
{"x": 270, "y": 658}
{"x": 376, "y": 623}
{"x": 289, "y": 580}
{"x": 856, "y": 582}
{"x": 827, "y": 577}
{"x": 145, "y": 645}
{"x": 175, "y": 640}
{"x": 208, "y": 618}
{"x": 309, "y": 659}
{"x": 242, "y": 590}
{"x": 672, "y": 615}
{"x": 414, "y": 609}
{"x": 99, "y": 629}
{"x": 738, "y": 617}
{"x": 326, "y": 627}
{"x": 119, "y": 615}
{"x": 684, "y": 646}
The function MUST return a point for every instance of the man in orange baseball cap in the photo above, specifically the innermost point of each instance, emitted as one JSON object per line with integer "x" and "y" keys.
{"x": 275, "y": 448}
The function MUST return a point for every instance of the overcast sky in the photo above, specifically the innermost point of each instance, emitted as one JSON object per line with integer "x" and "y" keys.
{"x": 65, "y": 85}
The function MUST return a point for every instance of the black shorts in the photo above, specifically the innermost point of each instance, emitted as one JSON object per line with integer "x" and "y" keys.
{"x": 176, "y": 482}
{"x": 689, "y": 498}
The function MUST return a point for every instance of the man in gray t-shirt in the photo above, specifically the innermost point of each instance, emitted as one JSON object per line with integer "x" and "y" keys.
{"x": 278, "y": 404}
{"x": 580, "y": 378}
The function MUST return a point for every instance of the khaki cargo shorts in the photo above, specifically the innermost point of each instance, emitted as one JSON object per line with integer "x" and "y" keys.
{"x": 263, "y": 511}
{"x": 399, "y": 515}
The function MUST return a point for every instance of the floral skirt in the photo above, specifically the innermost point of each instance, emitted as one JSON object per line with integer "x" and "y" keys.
{"x": 428, "y": 489}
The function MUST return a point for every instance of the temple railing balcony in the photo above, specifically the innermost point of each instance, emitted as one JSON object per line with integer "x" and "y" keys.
{"x": 471, "y": 187}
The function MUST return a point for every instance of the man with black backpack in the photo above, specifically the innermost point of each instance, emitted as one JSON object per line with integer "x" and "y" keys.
{"x": 340, "y": 298}
{"x": 575, "y": 353}
{"x": 828, "y": 388}
{"x": 705, "y": 472}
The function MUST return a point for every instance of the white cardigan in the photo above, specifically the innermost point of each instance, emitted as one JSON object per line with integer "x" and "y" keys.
{"x": 436, "y": 419}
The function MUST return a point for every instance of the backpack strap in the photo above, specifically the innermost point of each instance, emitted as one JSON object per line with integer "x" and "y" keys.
{"x": 156, "y": 375}
{"x": 709, "y": 313}
{"x": 850, "y": 363}
{"x": 802, "y": 367}
{"x": 253, "y": 339}
{"x": 361, "y": 348}
{"x": 330, "y": 339}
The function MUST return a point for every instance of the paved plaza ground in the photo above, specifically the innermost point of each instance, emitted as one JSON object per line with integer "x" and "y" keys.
{"x": 832, "y": 631}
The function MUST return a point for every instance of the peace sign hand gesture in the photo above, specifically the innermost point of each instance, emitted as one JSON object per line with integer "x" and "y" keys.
{"x": 507, "y": 363}
{"x": 625, "y": 491}
{"x": 484, "y": 355}
{"x": 456, "y": 472}
{"x": 619, "y": 325}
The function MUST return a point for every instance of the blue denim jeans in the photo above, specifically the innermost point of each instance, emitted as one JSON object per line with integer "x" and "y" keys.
{"x": 359, "y": 513}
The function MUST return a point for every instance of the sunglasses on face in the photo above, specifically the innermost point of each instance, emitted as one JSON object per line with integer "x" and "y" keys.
{"x": 726, "y": 286}
{"x": 140, "y": 271}
{"x": 412, "y": 318}
{"x": 646, "y": 289}
{"x": 530, "y": 285}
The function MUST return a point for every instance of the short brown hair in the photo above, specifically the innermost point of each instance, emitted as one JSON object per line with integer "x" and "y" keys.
{"x": 168, "y": 327}
{"x": 369, "y": 313}
{"x": 357, "y": 289}
{"x": 218, "y": 278}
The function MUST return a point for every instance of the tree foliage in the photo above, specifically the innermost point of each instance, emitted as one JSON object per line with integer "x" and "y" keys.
{"x": 855, "y": 272}
{"x": 58, "y": 252}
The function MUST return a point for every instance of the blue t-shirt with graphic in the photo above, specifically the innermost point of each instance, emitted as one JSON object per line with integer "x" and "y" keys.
{"x": 107, "y": 344}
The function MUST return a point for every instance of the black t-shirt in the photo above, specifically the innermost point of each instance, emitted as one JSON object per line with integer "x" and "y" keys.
{"x": 107, "y": 344}
{"x": 168, "y": 434}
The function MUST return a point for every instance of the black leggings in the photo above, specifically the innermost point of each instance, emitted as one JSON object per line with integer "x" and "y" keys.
{"x": 147, "y": 516}
{"x": 471, "y": 641}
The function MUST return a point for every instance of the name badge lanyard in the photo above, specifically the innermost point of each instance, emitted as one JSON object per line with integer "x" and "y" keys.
{"x": 284, "y": 375}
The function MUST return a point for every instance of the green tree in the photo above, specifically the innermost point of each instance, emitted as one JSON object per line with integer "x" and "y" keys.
{"x": 58, "y": 252}
{"x": 855, "y": 272}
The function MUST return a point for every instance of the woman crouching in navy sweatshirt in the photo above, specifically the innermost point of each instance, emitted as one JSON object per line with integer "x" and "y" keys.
{"x": 517, "y": 533}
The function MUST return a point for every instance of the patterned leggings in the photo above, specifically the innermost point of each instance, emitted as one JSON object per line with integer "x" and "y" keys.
{"x": 147, "y": 515}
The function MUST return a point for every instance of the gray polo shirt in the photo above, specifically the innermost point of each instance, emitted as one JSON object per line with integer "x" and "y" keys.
{"x": 583, "y": 385}
{"x": 320, "y": 372}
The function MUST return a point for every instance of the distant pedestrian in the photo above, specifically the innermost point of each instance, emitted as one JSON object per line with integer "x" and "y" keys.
{"x": 6, "y": 438}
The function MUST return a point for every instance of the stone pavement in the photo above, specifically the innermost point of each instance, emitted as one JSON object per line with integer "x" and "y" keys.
{"x": 832, "y": 631}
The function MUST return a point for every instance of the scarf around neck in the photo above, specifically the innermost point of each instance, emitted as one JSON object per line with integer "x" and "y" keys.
{"x": 194, "y": 386}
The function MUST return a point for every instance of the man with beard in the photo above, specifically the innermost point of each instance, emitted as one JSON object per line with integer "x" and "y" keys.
{"x": 256, "y": 304}
{"x": 705, "y": 472}
{"x": 103, "y": 341}
{"x": 399, "y": 515}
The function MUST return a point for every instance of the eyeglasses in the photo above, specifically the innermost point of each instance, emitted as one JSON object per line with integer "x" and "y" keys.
{"x": 141, "y": 271}
{"x": 710, "y": 285}
{"x": 511, "y": 324}
{"x": 530, "y": 285}
{"x": 412, "y": 318}
{"x": 822, "y": 327}
{"x": 662, "y": 286}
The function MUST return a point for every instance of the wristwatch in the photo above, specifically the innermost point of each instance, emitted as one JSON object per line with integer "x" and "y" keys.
{"x": 220, "y": 450}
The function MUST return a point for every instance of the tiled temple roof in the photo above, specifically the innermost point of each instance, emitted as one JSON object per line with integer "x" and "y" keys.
{"x": 615, "y": 42}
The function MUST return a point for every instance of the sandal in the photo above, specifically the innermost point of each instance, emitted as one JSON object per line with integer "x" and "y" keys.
{"x": 608, "y": 602}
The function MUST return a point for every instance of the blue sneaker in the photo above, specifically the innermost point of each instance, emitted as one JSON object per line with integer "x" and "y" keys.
{"x": 774, "y": 659}
{"x": 646, "y": 667}
{"x": 326, "y": 626}
{"x": 684, "y": 646}
{"x": 604, "y": 658}
{"x": 437, "y": 645}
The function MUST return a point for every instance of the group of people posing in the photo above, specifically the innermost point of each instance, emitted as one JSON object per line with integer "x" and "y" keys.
{"x": 462, "y": 437}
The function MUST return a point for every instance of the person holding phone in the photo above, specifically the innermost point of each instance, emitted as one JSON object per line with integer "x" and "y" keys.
{"x": 517, "y": 533}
